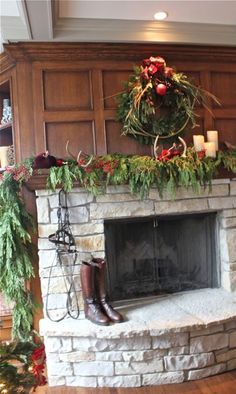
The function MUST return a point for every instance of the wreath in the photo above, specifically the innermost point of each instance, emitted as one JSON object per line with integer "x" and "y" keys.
{"x": 158, "y": 101}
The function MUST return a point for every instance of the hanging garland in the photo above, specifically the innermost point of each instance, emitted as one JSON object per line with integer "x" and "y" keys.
{"x": 15, "y": 249}
{"x": 158, "y": 101}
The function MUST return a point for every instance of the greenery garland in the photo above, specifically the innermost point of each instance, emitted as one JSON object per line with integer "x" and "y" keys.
{"x": 140, "y": 172}
{"x": 158, "y": 101}
{"x": 15, "y": 249}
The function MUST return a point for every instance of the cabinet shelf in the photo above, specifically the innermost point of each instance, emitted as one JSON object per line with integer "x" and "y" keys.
{"x": 6, "y": 126}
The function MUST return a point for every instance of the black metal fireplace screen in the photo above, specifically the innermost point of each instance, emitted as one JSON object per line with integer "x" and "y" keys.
{"x": 148, "y": 256}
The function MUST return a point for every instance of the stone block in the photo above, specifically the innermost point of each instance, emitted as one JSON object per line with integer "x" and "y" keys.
{"x": 109, "y": 356}
{"x": 228, "y": 280}
{"x": 47, "y": 258}
{"x": 228, "y": 213}
{"x": 170, "y": 340}
{"x": 206, "y": 331}
{"x": 61, "y": 369}
{"x": 231, "y": 325}
{"x": 73, "y": 357}
{"x": 87, "y": 229}
{"x": 44, "y": 230}
{"x": 42, "y": 210}
{"x": 77, "y": 215}
{"x": 121, "y": 210}
{"x": 129, "y": 368}
{"x": 90, "y": 244}
{"x": 114, "y": 198}
{"x": 204, "y": 372}
{"x": 176, "y": 363}
{"x": 81, "y": 381}
{"x": 119, "y": 381}
{"x": 94, "y": 368}
{"x": 45, "y": 244}
{"x": 231, "y": 364}
{"x": 56, "y": 380}
{"x": 162, "y": 378}
{"x": 233, "y": 188}
{"x": 232, "y": 340}
{"x": 225, "y": 355}
{"x": 229, "y": 222}
{"x": 56, "y": 301}
{"x": 178, "y": 350}
{"x": 207, "y": 343}
{"x": 93, "y": 344}
{"x": 118, "y": 189}
{"x": 184, "y": 206}
{"x": 66, "y": 345}
{"x": 222, "y": 203}
{"x": 52, "y": 345}
{"x": 145, "y": 355}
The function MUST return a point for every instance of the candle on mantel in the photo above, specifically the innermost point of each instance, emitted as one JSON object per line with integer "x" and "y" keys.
{"x": 212, "y": 136}
{"x": 210, "y": 149}
{"x": 198, "y": 142}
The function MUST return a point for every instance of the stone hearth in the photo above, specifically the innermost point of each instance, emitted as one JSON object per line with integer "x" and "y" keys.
{"x": 166, "y": 339}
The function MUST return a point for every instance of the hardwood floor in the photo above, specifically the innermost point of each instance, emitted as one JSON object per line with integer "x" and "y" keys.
{"x": 219, "y": 384}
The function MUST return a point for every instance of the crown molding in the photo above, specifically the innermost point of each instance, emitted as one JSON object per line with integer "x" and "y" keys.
{"x": 105, "y": 30}
{"x": 74, "y": 51}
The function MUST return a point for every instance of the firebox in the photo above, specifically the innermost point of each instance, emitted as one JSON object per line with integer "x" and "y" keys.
{"x": 157, "y": 255}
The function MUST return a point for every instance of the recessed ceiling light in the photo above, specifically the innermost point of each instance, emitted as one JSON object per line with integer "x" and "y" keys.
{"x": 160, "y": 15}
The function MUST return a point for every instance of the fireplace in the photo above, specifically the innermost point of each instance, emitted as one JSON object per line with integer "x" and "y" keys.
{"x": 169, "y": 335}
{"x": 158, "y": 255}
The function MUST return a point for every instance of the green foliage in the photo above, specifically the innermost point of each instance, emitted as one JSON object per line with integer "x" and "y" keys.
{"x": 15, "y": 251}
{"x": 144, "y": 113}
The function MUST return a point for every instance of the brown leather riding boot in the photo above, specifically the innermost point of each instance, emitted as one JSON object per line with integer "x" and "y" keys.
{"x": 100, "y": 283}
{"x": 92, "y": 309}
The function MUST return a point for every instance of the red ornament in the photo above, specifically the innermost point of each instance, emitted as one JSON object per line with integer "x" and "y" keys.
{"x": 161, "y": 89}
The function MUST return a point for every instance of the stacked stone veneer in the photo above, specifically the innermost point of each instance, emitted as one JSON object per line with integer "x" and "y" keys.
{"x": 132, "y": 361}
{"x": 141, "y": 358}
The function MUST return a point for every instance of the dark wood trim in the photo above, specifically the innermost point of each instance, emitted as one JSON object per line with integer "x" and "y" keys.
{"x": 40, "y": 51}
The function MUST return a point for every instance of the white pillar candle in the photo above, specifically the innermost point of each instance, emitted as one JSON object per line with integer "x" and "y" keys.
{"x": 212, "y": 136}
{"x": 210, "y": 149}
{"x": 4, "y": 162}
{"x": 198, "y": 142}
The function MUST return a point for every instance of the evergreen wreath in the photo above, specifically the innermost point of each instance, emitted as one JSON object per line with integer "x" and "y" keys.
{"x": 158, "y": 101}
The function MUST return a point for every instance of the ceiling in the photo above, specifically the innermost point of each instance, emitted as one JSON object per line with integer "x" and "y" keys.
{"x": 192, "y": 22}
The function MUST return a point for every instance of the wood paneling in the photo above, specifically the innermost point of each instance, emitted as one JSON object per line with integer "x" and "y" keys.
{"x": 227, "y": 131}
{"x": 223, "y": 86}
{"x": 112, "y": 85}
{"x": 118, "y": 143}
{"x": 67, "y": 90}
{"x": 80, "y": 135}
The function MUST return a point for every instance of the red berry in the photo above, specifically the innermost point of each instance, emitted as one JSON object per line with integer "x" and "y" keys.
{"x": 161, "y": 89}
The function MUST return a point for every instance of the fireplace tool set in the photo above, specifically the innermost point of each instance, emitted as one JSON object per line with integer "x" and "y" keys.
{"x": 92, "y": 273}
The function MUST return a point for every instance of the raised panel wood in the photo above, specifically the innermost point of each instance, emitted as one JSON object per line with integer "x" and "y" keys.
{"x": 227, "y": 131}
{"x": 223, "y": 86}
{"x": 113, "y": 83}
{"x": 122, "y": 144}
{"x": 67, "y": 90}
{"x": 80, "y": 135}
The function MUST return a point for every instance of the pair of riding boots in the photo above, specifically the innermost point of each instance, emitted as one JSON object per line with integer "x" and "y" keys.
{"x": 93, "y": 283}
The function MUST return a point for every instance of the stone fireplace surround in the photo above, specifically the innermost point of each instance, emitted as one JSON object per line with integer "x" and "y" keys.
{"x": 164, "y": 339}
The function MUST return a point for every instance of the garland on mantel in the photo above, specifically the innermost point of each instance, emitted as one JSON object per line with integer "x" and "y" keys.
{"x": 140, "y": 172}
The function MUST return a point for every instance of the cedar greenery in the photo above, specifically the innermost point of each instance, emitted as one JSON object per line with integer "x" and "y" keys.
{"x": 15, "y": 250}
{"x": 141, "y": 173}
